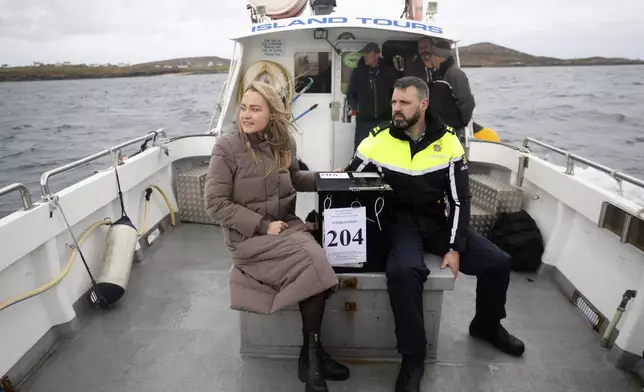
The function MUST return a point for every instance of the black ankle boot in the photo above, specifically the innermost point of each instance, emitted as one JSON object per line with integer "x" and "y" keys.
{"x": 310, "y": 366}
{"x": 499, "y": 337}
{"x": 411, "y": 373}
{"x": 329, "y": 367}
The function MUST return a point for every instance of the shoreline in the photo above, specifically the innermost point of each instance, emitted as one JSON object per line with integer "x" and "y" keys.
{"x": 31, "y": 74}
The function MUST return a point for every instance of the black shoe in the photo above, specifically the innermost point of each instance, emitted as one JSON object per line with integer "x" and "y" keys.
{"x": 498, "y": 336}
{"x": 330, "y": 368}
{"x": 411, "y": 373}
{"x": 310, "y": 367}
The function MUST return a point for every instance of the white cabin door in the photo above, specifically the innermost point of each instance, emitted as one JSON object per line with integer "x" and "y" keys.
{"x": 344, "y": 123}
{"x": 313, "y": 122}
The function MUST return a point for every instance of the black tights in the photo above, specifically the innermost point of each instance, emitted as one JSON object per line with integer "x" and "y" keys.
{"x": 312, "y": 310}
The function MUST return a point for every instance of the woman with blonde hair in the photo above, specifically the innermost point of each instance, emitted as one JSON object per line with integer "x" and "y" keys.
{"x": 250, "y": 192}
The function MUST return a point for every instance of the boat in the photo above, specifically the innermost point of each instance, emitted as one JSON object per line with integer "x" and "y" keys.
{"x": 170, "y": 327}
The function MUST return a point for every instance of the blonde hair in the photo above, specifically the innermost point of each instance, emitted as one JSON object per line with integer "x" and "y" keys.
{"x": 277, "y": 133}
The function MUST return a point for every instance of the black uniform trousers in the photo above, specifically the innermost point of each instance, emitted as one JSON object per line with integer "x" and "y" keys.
{"x": 407, "y": 273}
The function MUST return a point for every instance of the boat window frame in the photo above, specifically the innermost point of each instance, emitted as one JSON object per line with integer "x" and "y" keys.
{"x": 330, "y": 53}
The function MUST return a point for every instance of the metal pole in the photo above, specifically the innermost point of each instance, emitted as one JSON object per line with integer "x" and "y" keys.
{"x": 25, "y": 196}
{"x": 44, "y": 179}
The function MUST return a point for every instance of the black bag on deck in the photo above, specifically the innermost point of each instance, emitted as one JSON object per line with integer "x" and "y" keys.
{"x": 518, "y": 235}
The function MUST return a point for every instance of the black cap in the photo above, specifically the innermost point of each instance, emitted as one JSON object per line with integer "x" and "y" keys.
{"x": 371, "y": 47}
{"x": 441, "y": 48}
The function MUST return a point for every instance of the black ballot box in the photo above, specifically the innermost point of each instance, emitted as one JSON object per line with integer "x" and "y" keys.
{"x": 354, "y": 213}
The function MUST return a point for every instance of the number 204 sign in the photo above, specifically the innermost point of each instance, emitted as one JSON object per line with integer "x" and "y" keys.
{"x": 345, "y": 235}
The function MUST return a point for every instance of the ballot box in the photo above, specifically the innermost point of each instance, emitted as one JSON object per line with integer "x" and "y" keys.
{"x": 354, "y": 213}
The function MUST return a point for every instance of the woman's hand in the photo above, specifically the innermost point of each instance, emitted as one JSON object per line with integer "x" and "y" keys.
{"x": 310, "y": 226}
{"x": 276, "y": 227}
{"x": 338, "y": 170}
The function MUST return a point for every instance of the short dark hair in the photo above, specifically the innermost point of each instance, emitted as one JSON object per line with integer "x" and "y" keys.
{"x": 408, "y": 81}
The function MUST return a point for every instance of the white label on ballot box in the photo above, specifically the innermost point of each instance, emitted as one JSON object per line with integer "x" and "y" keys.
{"x": 345, "y": 235}
{"x": 334, "y": 175}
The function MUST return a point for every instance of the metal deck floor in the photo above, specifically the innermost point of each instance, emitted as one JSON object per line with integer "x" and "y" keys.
{"x": 173, "y": 331}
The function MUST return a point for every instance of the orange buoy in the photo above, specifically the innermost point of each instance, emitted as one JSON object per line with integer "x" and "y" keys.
{"x": 484, "y": 133}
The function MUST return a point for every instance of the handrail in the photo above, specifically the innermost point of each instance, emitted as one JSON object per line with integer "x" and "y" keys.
{"x": 572, "y": 158}
{"x": 24, "y": 194}
{"x": 218, "y": 105}
{"x": 44, "y": 179}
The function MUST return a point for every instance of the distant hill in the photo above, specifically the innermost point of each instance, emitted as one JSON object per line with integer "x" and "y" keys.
{"x": 191, "y": 62}
{"x": 483, "y": 54}
{"x": 180, "y": 66}
{"x": 486, "y": 54}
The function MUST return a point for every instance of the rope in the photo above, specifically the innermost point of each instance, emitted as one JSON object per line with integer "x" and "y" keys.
{"x": 379, "y": 210}
{"x": 327, "y": 199}
{"x": 378, "y": 206}
{"x": 54, "y": 201}
{"x": 118, "y": 183}
{"x": 62, "y": 274}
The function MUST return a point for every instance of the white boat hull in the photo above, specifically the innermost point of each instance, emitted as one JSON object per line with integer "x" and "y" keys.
{"x": 584, "y": 257}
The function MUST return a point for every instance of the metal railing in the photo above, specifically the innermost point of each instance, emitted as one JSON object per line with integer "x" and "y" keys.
{"x": 24, "y": 194}
{"x": 44, "y": 179}
{"x": 218, "y": 106}
{"x": 572, "y": 158}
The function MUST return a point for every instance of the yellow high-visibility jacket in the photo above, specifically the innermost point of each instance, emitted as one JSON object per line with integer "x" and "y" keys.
{"x": 422, "y": 175}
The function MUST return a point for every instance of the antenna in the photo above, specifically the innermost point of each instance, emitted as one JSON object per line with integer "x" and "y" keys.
{"x": 432, "y": 10}
{"x": 260, "y": 9}
{"x": 258, "y": 13}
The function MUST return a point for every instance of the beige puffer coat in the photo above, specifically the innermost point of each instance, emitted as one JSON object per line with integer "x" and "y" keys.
{"x": 269, "y": 272}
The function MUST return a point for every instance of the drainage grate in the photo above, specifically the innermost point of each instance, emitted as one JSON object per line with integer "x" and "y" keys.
{"x": 593, "y": 316}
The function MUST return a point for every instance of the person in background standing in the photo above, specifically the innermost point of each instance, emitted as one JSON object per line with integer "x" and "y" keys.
{"x": 451, "y": 96}
{"x": 369, "y": 91}
{"x": 421, "y": 65}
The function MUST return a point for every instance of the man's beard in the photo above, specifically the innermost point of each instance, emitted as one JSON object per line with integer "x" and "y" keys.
{"x": 405, "y": 123}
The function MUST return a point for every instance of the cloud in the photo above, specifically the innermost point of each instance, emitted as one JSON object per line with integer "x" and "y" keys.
{"x": 145, "y": 30}
{"x": 116, "y": 30}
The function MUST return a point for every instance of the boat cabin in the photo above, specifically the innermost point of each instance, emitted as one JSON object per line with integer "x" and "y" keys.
{"x": 311, "y": 59}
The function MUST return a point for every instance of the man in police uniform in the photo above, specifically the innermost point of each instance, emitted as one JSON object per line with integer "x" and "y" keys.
{"x": 424, "y": 161}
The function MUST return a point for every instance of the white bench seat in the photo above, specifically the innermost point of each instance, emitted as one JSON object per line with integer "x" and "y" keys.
{"x": 358, "y": 321}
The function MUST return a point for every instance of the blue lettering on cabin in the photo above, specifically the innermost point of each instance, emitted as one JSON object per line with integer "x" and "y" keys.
{"x": 341, "y": 20}
{"x": 383, "y": 22}
{"x": 319, "y": 21}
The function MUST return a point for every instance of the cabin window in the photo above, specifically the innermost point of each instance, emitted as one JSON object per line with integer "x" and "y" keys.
{"x": 399, "y": 53}
{"x": 317, "y": 67}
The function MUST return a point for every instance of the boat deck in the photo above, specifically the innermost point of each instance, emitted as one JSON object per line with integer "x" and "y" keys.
{"x": 173, "y": 331}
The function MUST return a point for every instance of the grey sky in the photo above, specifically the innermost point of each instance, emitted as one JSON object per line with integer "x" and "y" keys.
{"x": 94, "y": 31}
